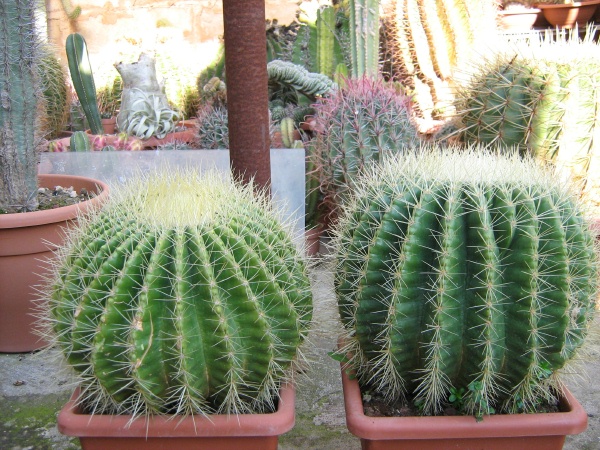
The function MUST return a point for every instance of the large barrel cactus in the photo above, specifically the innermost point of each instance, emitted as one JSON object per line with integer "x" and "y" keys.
{"x": 464, "y": 273}
{"x": 184, "y": 295}
{"x": 358, "y": 125}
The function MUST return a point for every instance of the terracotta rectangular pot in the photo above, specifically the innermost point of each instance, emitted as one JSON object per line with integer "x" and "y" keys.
{"x": 216, "y": 432}
{"x": 544, "y": 431}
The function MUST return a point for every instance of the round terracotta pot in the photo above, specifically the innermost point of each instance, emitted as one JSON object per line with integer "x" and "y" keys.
{"x": 518, "y": 20}
{"x": 313, "y": 240}
{"x": 569, "y": 15}
{"x": 109, "y": 125}
{"x": 27, "y": 243}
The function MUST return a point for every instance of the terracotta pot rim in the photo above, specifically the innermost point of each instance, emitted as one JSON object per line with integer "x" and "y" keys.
{"x": 72, "y": 422}
{"x": 569, "y": 5}
{"x": 20, "y": 220}
{"x": 572, "y": 420}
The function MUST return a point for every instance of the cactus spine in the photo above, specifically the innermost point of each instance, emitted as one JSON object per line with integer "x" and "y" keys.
{"x": 464, "y": 270}
{"x": 20, "y": 122}
{"x": 184, "y": 295}
{"x": 83, "y": 80}
{"x": 361, "y": 125}
{"x": 364, "y": 37}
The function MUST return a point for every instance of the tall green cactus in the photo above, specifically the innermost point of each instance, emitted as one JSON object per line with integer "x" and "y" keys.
{"x": 364, "y": 37}
{"x": 460, "y": 269}
{"x": 56, "y": 93}
{"x": 542, "y": 97}
{"x": 20, "y": 105}
{"x": 83, "y": 80}
{"x": 358, "y": 125}
{"x": 184, "y": 295}
{"x": 426, "y": 41}
{"x": 80, "y": 142}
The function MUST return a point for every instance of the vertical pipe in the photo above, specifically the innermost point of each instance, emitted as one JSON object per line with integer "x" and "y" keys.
{"x": 247, "y": 90}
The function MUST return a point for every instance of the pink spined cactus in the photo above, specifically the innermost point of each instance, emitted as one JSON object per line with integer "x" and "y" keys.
{"x": 56, "y": 147}
{"x": 98, "y": 142}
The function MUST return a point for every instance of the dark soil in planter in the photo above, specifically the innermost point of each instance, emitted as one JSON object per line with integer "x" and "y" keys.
{"x": 375, "y": 405}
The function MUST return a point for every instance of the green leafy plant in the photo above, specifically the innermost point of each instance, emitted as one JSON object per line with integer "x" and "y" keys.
{"x": 149, "y": 118}
{"x": 464, "y": 272}
{"x": 184, "y": 295}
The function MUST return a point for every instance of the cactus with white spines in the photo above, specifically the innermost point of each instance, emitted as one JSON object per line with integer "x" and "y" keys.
{"x": 184, "y": 295}
{"x": 358, "y": 126}
{"x": 464, "y": 270}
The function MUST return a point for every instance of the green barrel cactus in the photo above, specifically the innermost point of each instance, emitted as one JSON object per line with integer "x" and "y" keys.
{"x": 357, "y": 126}
{"x": 80, "y": 142}
{"x": 183, "y": 295}
{"x": 464, "y": 272}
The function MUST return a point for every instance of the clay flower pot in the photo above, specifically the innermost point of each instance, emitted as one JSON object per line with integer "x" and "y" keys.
{"x": 569, "y": 15}
{"x": 312, "y": 237}
{"x": 544, "y": 431}
{"x": 27, "y": 242}
{"x": 518, "y": 20}
{"x": 215, "y": 432}
{"x": 109, "y": 125}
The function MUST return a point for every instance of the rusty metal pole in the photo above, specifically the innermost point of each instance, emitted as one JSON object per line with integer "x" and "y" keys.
{"x": 247, "y": 91}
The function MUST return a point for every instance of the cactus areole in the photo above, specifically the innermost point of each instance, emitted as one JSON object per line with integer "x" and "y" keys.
{"x": 468, "y": 272}
{"x": 185, "y": 295}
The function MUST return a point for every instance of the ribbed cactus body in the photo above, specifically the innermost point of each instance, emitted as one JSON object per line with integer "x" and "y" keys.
{"x": 542, "y": 98}
{"x": 359, "y": 125}
{"x": 468, "y": 272}
{"x": 20, "y": 97}
{"x": 364, "y": 37}
{"x": 160, "y": 314}
{"x": 80, "y": 142}
{"x": 426, "y": 41}
{"x": 297, "y": 77}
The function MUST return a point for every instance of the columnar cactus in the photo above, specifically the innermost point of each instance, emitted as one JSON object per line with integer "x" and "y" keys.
{"x": 427, "y": 40}
{"x": 357, "y": 126}
{"x": 364, "y": 37}
{"x": 83, "y": 80}
{"x": 20, "y": 121}
{"x": 464, "y": 271}
{"x": 184, "y": 295}
{"x": 80, "y": 142}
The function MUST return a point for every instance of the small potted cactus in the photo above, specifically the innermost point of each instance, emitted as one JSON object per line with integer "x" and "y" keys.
{"x": 464, "y": 280}
{"x": 181, "y": 306}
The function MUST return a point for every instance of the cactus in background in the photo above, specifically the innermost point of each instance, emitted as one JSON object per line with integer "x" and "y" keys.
{"x": 358, "y": 126}
{"x": 108, "y": 148}
{"x": 71, "y": 11}
{"x": 426, "y": 41}
{"x": 325, "y": 40}
{"x": 56, "y": 93}
{"x": 213, "y": 129}
{"x": 287, "y": 132}
{"x": 20, "y": 120}
{"x": 543, "y": 98}
{"x": 83, "y": 80}
{"x": 296, "y": 77}
{"x": 148, "y": 117}
{"x": 80, "y": 142}
{"x": 184, "y": 295}
{"x": 464, "y": 270}
{"x": 364, "y": 37}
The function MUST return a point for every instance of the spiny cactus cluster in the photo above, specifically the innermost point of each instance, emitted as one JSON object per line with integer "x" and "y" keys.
{"x": 56, "y": 93}
{"x": 213, "y": 129}
{"x": 464, "y": 271}
{"x": 358, "y": 125}
{"x": 184, "y": 295}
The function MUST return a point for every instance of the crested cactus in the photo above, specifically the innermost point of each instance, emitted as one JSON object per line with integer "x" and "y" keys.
{"x": 426, "y": 41}
{"x": 542, "y": 97}
{"x": 364, "y": 37}
{"x": 83, "y": 80}
{"x": 464, "y": 270}
{"x": 358, "y": 126}
{"x": 184, "y": 295}
{"x": 298, "y": 78}
{"x": 21, "y": 97}
{"x": 80, "y": 142}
